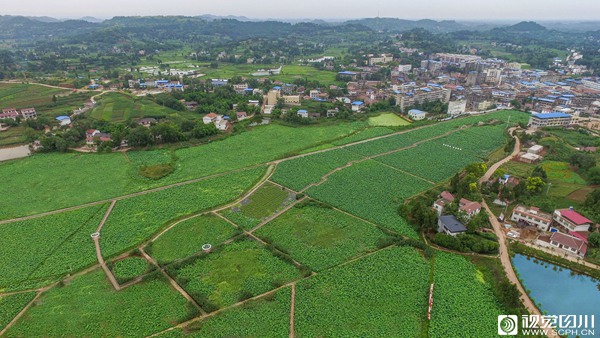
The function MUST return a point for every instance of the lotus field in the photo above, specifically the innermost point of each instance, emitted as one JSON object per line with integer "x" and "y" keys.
{"x": 11, "y": 305}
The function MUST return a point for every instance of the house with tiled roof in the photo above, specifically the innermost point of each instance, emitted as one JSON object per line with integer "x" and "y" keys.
{"x": 572, "y": 220}
{"x": 470, "y": 208}
{"x": 568, "y": 243}
{"x": 445, "y": 198}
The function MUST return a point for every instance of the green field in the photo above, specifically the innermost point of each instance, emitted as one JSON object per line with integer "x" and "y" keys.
{"x": 298, "y": 173}
{"x": 93, "y": 177}
{"x": 56, "y": 245}
{"x": 129, "y": 268}
{"x": 119, "y": 107}
{"x": 375, "y": 193}
{"x": 383, "y": 295}
{"x": 237, "y": 271}
{"x": 266, "y": 201}
{"x": 319, "y": 237}
{"x": 461, "y": 289}
{"x": 10, "y": 306}
{"x": 13, "y": 136}
{"x": 388, "y": 120}
{"x": 268, "y": 316}
{"x": 89, "y": 304}
{"x": 187, "y": 238}
{"x": 135, "y": 219}
{"x": 27, "y": 95}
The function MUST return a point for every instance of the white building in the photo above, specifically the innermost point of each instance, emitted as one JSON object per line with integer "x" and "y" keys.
{"x": 532, "y": 216}
{"x": 457, "y": 107}
{"x": 417, "y": 115}
{"x": 572, "y": 220}
{"x": 549, "y": 120}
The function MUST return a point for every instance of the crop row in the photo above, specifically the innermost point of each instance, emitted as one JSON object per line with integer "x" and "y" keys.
{"x": 372, "y": 191}
{"x": 38, "y": 251}
{"x": 302, "y": 171}
{"x": 462, "y": 300}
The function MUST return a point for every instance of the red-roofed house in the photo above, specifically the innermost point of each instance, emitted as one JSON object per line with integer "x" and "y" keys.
{"x": 241, "y": 115}
{"x": 569, "y": 244}
{"x": 468, "y": 207}
{"x": 211, "y": 118}
{"x": 10, "y": 113}
{"x": 572, "y": 220}
{"x": 445, "y": 198}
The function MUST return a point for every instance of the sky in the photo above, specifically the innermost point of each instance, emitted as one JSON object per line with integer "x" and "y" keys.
{"x": 315, "y": 9}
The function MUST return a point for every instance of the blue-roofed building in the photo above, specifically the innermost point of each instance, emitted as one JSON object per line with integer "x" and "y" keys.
{"x": 449, "y": 225}
{"x": 63, "y": 120}
{"x": 554, "y": 119}
{"x": 417, "y": 115}
{"x": 94, "y": 86}
{"x": 357, "y": 105}
{"x": 303, "y": 113}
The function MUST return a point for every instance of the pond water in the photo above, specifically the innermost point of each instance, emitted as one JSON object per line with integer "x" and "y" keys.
{"x": 14, "y": 152}
{"x": 558, "y": 290}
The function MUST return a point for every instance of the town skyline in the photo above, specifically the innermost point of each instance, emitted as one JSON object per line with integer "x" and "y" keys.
{"x": 312, "y": 9}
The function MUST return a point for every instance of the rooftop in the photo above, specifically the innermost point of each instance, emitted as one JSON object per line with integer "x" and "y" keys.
{"x": 452, "y": 224}
{"x": 574, "y": 216}
{"x": 551, "y": 115}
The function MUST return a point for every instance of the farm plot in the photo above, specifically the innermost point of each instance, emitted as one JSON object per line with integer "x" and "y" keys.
{"x": 232, "y": 273}
{"x": 363, "y": 135}
{"x": 300, "y": 172}
{"x": 439, "y": 159}
{"x": 374, "y": 194}
{"x": 388, "y": 120}
{"x": 42, "y": 250}
{"x": 11, "y": 305}
{"x": 27, "y": 95}
{"x": 135, "y": 219}
{"x": 266, "y": 201}
{"x": 129, "y": 268}
{"x": 89, "y": 305}
{"x": 268, "y": 316}
{"x": 187, "y": 238}
{"x": 320, "y": 237}
{"x": 460, "y": 289}
{"x": 115, "y": 107}
{"x": 383, "y": 295}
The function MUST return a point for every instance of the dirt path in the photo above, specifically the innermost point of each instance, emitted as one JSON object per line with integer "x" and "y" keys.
{"x": 292, "y": 310}
{"x": 173, "y": 282}
{"x": 277, "y": 214}
{"x": 96, "y": 240}
{"x": 498, "y": 164}
{"x": 507, "y": 264}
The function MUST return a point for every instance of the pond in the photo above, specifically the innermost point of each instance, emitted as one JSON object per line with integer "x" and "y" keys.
{"x": 14, "y": 152}
{"x": 558, "y": 290}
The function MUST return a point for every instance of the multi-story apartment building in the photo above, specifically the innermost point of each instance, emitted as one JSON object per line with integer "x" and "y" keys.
{"x": 549, "y": 120}
{"x": 532, "y": 216}
{"x": 421, "y": 95}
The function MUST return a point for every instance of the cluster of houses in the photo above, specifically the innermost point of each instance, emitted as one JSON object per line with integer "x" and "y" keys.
{"x": 222, "y": 122}
{"x": 565, "y": 229}
{"x": 93, "y": 136}
{"x": 449, "y": 224}
{"x": 13, "y": 114}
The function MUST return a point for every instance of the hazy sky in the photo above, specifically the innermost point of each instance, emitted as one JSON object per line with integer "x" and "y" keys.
{"x": 406, "y": 9}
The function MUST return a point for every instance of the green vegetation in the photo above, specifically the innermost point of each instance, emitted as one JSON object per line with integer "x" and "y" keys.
{"x": 363, "y": 135}
{"x": 93, "y": 177}
{"x": 268, "y": 316}
{"x": 119, "y": 107}
{"x": 320, "y": 237}
{"x": 232, "y": 273}
{"x": 89, "y": 302}
{"x": 129, "y": 268}
{"x": 135, "y": 219}
{"x": 388, "y": 120}
{"x": 157, "y": 171}
{"x": 11, "y": 305}
{"x": 300, "y": 172}
{"x": 187, "y": 238}
{"x": 382, "y": 295}
{"x": 560, "y": 172}
{"x": 455, "y": 151}
{"x": 264, "y": 202}
{"x": 375, "y": 193}
{"x": 42, "y": 250}
{"x": 13, "y": 136}
{"x": 27, "y": 95}
{"x": 462, "y": 299}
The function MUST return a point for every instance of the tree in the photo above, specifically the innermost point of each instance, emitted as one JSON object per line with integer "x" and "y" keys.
{"x": 594, "y": 239}
{"x": 535, "y": 185}
{"x": 594, "y": 175}
{"x": 583, "y": 161}
{"x": 540, "y": 172}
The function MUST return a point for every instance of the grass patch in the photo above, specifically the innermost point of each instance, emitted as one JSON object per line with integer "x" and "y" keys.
{"x": 157, "y": 171}
{"x": 187, "y": 238}
{"x": 266, "y": 201}
{"x": 320, "y": 237}
{"x": 388, "y": 120}
{"x": 237, "y": 271}
{"x": 561, "y": 172}
{"x": 129, "y": 268}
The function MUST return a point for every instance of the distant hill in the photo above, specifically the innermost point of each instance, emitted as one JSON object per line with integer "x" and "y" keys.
{"x": 526, "y": 26}
{"x": 400, "y": 25}
{"x": 92, "y": 19}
